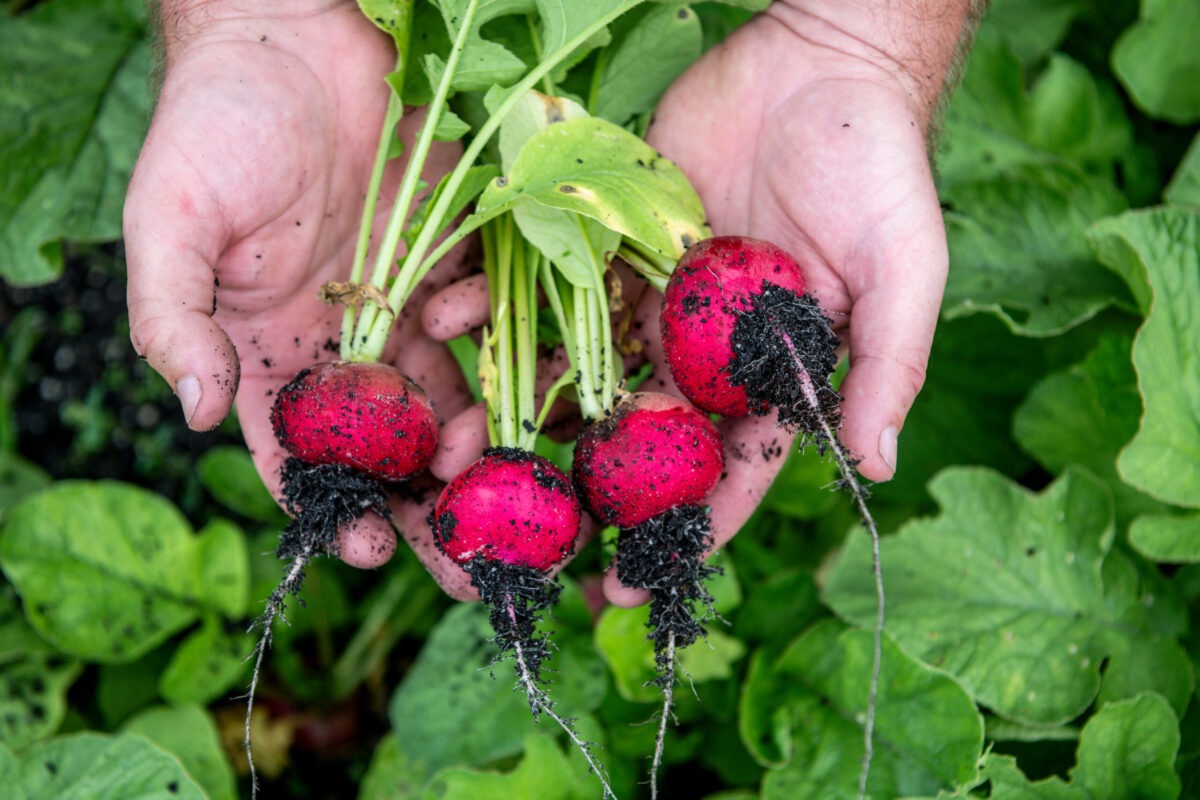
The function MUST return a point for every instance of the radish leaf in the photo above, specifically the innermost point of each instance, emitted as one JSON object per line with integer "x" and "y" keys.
{"x": 189, "y": 733}
{"x": 1158, "y": 63}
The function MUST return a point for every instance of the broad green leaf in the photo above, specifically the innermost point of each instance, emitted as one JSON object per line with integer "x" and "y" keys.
{"x": 630, "y": 83}
{"x": 575, "y": 244}
{"x": 1032, "y": 27}
{"x": 621, "y": 640}
{"x": 597, "y": 169}
{"x": 1126, "y": 752}
{"x": 450, "y": 127}
{"x": 207, "y": 664}
{"x": 1073, "y": 115}
{"x": 124, "y": 689}
{"x": 1171, "y": 539}
{"x": 531, "y": 115}
{"x": 1157, "y": 61}
{"x": 73, "y": 111}
{"x": 108, "y": 571}
{"x": 563, "y": 20}
{"x": 543, "y": 773}
{"x": 777, "y": 607}
{"x": 1160, "y": 250}
{"x": 229, "y": 475}
{"x": 390, "y": 774}
{"x": 1184, "y": 188}
{"x": 927, "y": 737}
{"x": 92, "y": 766}
{"x": 453, "y": 710}
{"x": 1084, "y": 415}
{"x": 189, "y": 733}
{"x": 19, "y": 478}
{"x": 33, "y": 684}
{"x": 1018, "y": 249}
{"x": 1019, "y": 596}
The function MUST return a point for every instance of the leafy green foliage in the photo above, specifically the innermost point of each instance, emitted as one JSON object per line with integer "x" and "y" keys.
{"x": 89, "y": 765}
{"x": 1019, "y": 595}
{"x": 803, "y": 714}
{"x": 1159, "y": 252}
{"x": 72, "y": 116}
{"x": 1047, "y": 470}
{"x": 115, "y": 583}
{"x": 1157, "y": 63}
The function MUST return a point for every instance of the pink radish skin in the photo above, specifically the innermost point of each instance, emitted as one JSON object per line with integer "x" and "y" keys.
{"x": 510, "y": 506}
{"x": 711, "y": 284}
{"x": 367, "y": 416}
{"x": 654, "y": 453}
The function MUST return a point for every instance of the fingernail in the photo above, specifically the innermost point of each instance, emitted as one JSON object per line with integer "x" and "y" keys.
{"x": 887, "y": 446}
{"x": 188, "y": 392}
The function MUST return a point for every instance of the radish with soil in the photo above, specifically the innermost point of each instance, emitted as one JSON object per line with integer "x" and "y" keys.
{"x": 512, "y": 517}
{"x": 742, "y": 336}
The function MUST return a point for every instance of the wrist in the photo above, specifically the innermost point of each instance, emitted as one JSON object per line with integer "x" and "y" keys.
{"x": 914, "y": 43}
{"x": 181, "y": 23}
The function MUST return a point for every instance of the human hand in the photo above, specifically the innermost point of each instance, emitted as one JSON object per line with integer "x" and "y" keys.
{"x": 801, "y": 131}
{"x": 246, "y": 197}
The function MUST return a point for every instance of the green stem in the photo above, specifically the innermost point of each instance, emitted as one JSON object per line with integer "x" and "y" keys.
{"x": 415, "y": 267}
{"x": 651, "y": 272}
{"x": 408, "y": 189}
{"x": 391, "y": 118}
{"x": 547, "y": 81}
{"x": 525, "y": 330}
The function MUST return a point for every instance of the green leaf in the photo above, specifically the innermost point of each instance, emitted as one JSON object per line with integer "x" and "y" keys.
{"x": 393, "y": 17}
{"x": 450, "y": 127}
{"x": 33, "y": 679}
{"x": 1126, "y": 752}
{"x": 390, "y": 774}
{"x": 1032, "y": 27}
{"x": 1018, "y": 249}
{"x": 630, "y": 83}
{"x": 229, "y": 474}
{"x": 597, "y": 169}
{"x": 1184, "y": 188}
{"x": 1084, "y": 415}
{"x": 483, "y": 62}
{"x": 91, "y": 766}
{"x": 1157, "y": 61}
{"x": 543, "y": 773}
{"x": 1174, "y": 540}
{"x": 812, "y": 700}
{"x": 107, "y": 571}
{"x": 449, "y": 711}
{"x": 73, "y": 112}
{"x": 190, "y": 734}
{"x": 531, "y": 115}
{"x": 1005, "y": 589}
{"x": 18, "y": 479}
{"x": 207, "y": 664}
{"x": 1073, "y": 115}
{"x": 1160, "y": 250}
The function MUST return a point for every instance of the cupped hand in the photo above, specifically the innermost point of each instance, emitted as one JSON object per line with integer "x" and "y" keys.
{"x": 246, "y": 197}
{"x": 790, "y": 135}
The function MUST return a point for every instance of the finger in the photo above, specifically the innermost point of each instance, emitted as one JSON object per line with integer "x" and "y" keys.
{"x": 458, "y": 309}
{"x": 171, "y": 298}
{"x": 755, "y": 450}
{"x": 890, "y": 334}
{"x": 367, "y": 543}
{"x": 411, "y": 520}
{"x": 461, "y": 443}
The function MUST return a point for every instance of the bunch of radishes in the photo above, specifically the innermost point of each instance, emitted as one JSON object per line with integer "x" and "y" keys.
{"x": 741, "y": 337}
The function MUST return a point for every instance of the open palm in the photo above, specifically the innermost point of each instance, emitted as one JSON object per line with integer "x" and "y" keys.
{"x": 247, "y": 197}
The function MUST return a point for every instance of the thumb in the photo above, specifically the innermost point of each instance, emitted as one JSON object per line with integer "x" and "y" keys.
{"x": 172, "y": 297}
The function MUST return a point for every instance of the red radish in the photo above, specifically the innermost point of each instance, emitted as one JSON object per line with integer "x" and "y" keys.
{"x": 735, "y": 319}
{"x": 742, "y": 337}
{"x": 348, "y": 426}
{"x": 510, "y": 507}
{"x": 653, "y": 453}
{"x": 364, "y": 415}
{"x": 646, "y": 467}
